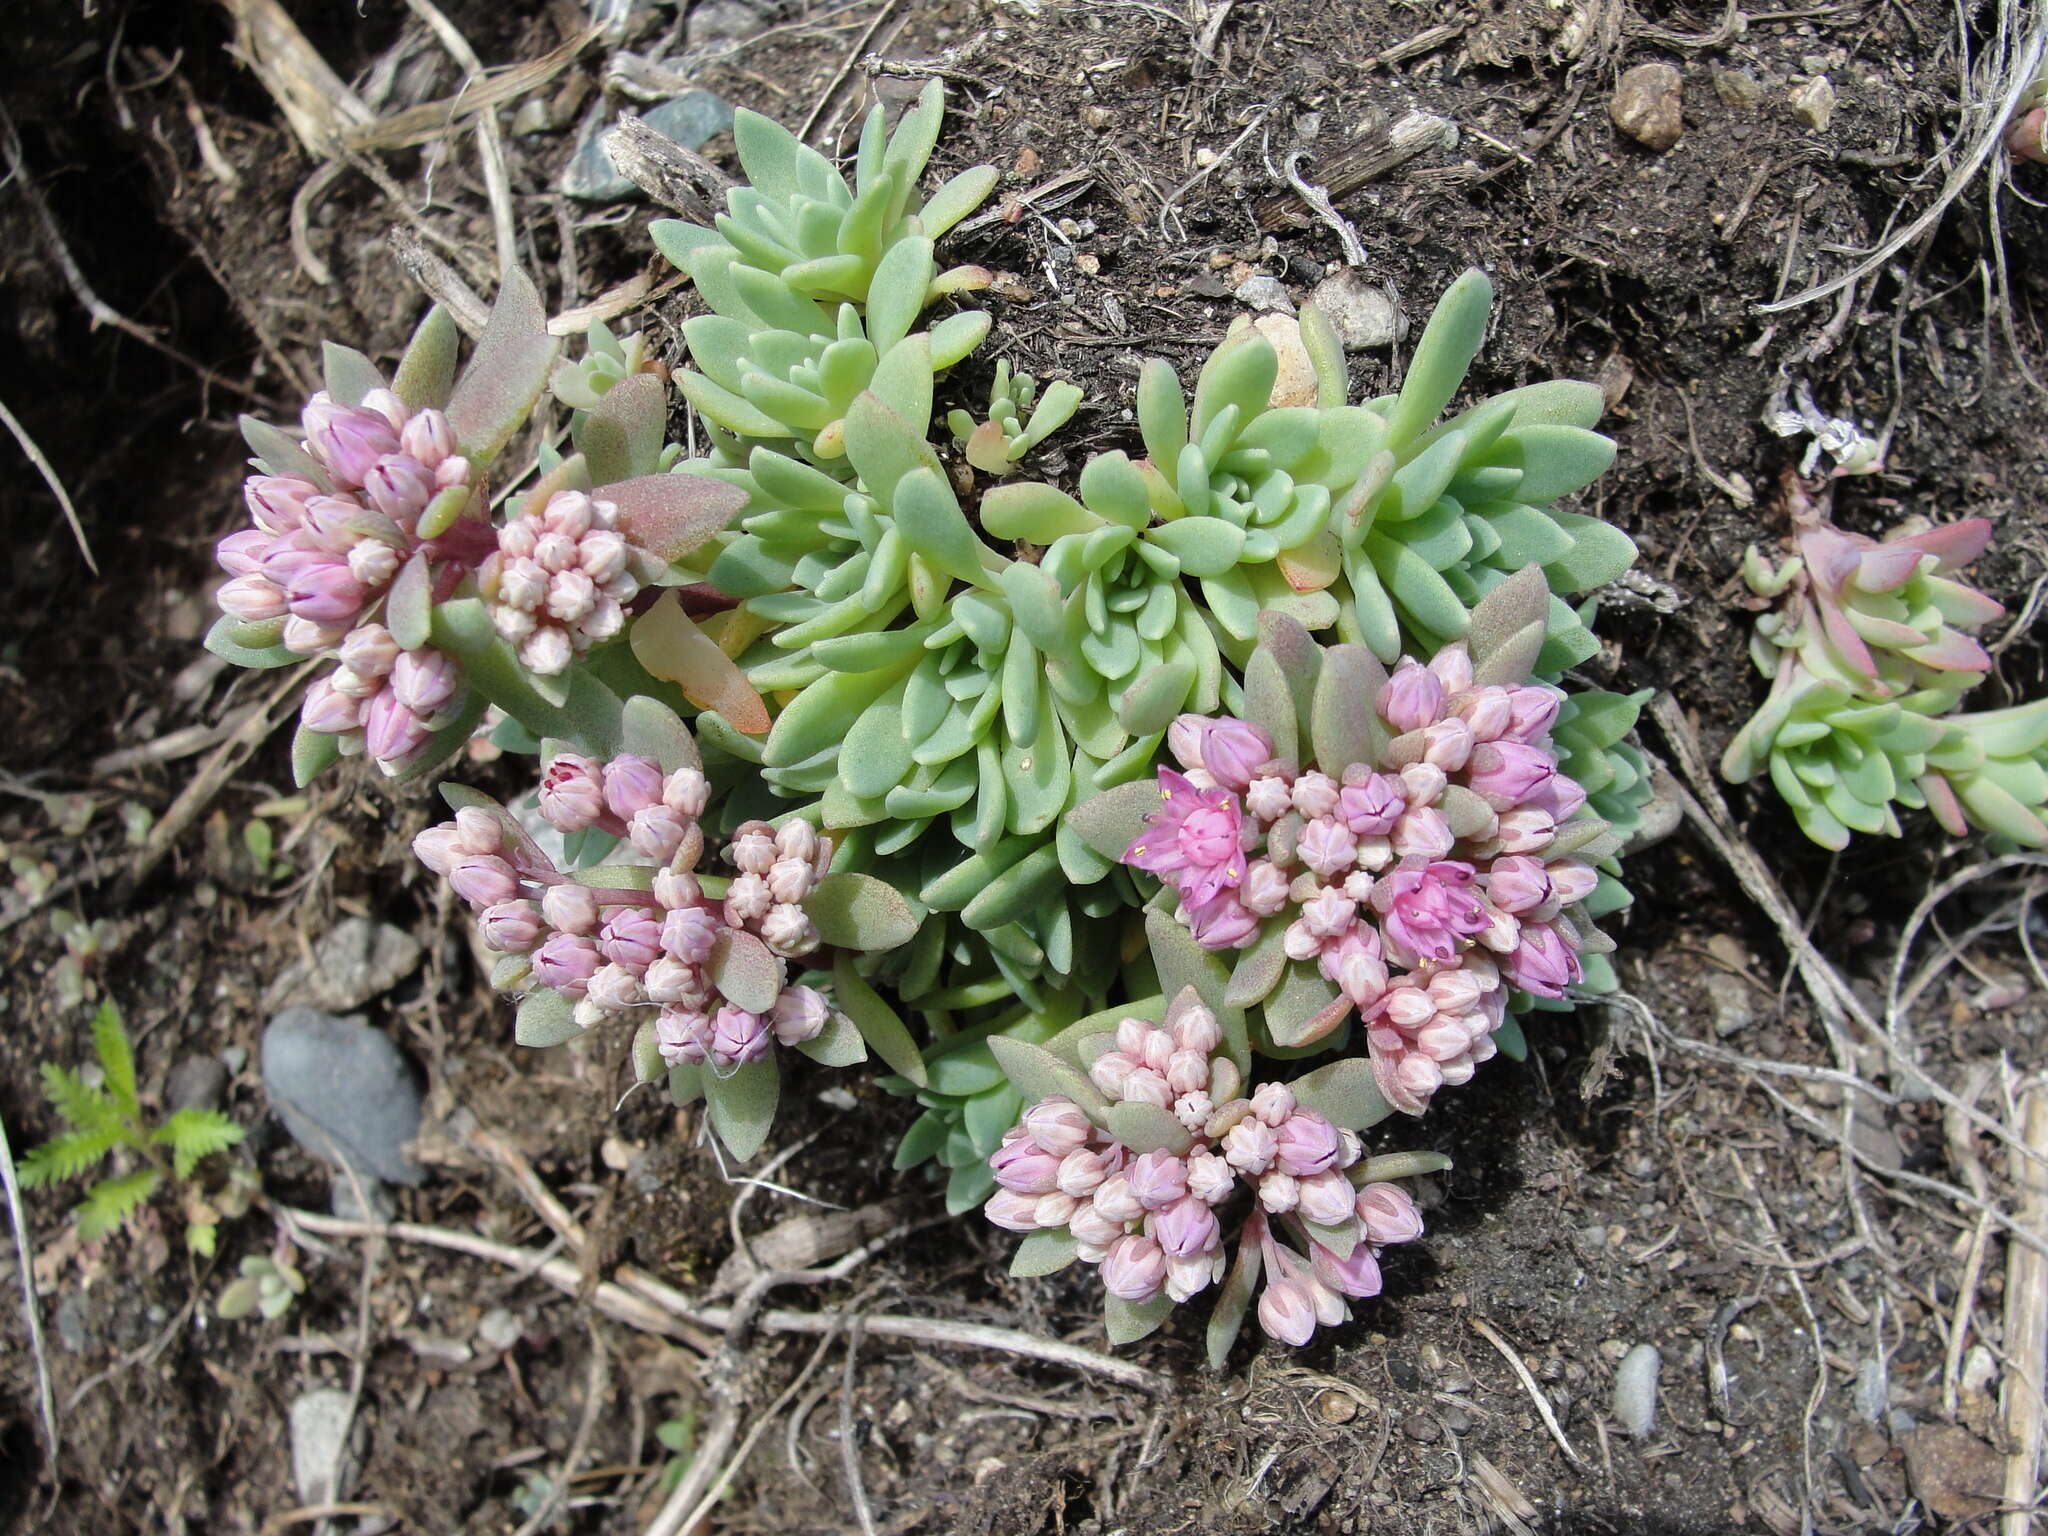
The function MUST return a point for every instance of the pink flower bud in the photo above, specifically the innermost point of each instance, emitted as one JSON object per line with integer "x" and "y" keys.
{"x": 571, "y": 595}
{"x": 482, "y": 879}
{"x": 683, "y": 1035}
{"x": 436, "y": 848}
{"x": 1532, "y": 710}
{"x": 370, "y": 651}
{"x": 572, "y": 792}
{"x": 1315, "y": 794}
{"x": 1273, "y": 1103}
{"x": 1300, "y": 941}
{"x": 1446, "y": 744}
{"x": 1145, "y": 1086}
{"x": 1507, "y": 772}
{"x": 1110, "y": 1071}
{"x": 1157, "y": 1179}
{"x": 1233, "y": 750}
{"x": 747, "y": 900}
{"x": 1195, "y": 1029}
{"x": 1389, "y": 1215}
{"x": 799, "y": 1014}
{"x": 1055, "y": 1209}
{"x": 254, "y": 599}
{"x": 1452, "y": 666}
{"x": 656, "y": 832}
{"x": 603, "y": 555}
{"x": 1158, "y": 1050}
{"x": 614, "y": 988}
{"x": 1114, "y": 1201}
{"x": 1526, "y": 831}
{"x": 1412, "y": 698}
{"x": 796, "y": 839}
{"x": 1279, "y": 1192}
{"x": 566, "y": 963}
{"x": 687, "y": 792}
{"x": 1185, "y": 1228}
{"x": 1407, "y": 1006}
{"x": 1264, "y": 890}
{"x": 738, "y": 1036}
{"x": 241, "y": 554}
{"x": 677, "y": 888}
{"x": 1423, "y": 834}
{"x": 521, "y": 584}
{"x": 478, "y": 831}
{"x": 1057, "y": 1125}
{"x": 348, "y": 440}
{"x": 1094, "y": 1230}
{"x": 631, "y": 784}
{"x": 1307, "y": 1145}
{"x": 1184, "y": 739}
{"x": 788, "y": 932}
{"x": 1012, "y": 1211}
{"x": 1372, "y": 808}
{"x": 1543, "y": 963}
{"x": 427, "y": 437}
{"x": 670, "y": 981}
{"x": 570, "y": 908}
{"x": 1269, "y": 798}
{"x": 1329, "y": 914}
{"x": 1187, "y": 1071}
{"x": 1326, "y": 1198}
{"x": 1081, "y": 1171}
{"x": 753, "y": 849}
{"x": 1223, "y": 922}
{"x": 546, "y": 652}
{"x": 1135, "y": 1269}
{"x": 554, "y": 551}
{"x": 1249, "y": 1147}
{"x": 278, "y": 502}
{"x": 1026, "y": 1167}
{"x": 790, "y": 880}
{"x": 1357, "y": 1276}
{"x": 631, "y": 937}
{"x": 567, "y": 513}
{"x": 451, "y": 472}
{"x": 1131, "y": 1035}
{"x": 1572, "y": 881}
{"x": 1517, "y": 883}
{"x": 1358, "y": 969}
{"x": 1190, "y": 1276}
{"x": 391, "y": 732}
{"x": 399, "y": 486}
{"x": 329, "y": 710}
{"x": 1327, "y": 846}
{"x": 1193, "y": 1109}
{"x": 1287, "y": 1312}
{"x": 1210, "y": 1178}
{"x": 1422, "y": 784}
{"x": 1456, "y": 991}
{"x": 1488, "y": 711}
{"x": 425, "y": 680}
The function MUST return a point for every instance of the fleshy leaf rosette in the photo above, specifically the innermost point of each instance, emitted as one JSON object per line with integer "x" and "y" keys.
{"x": 1142, "y": 1148}
{"x": 1869, "y": 658}
{"x": 1403, "y": 848}
{"x": 698, "y": 962}
{"x": 1017, "y": 420}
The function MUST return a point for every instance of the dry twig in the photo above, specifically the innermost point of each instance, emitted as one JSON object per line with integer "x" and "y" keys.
{"x": 1544, "y": 1411}
{"x": 2026, "y": 1328}
{"x": 24, "y": 1255}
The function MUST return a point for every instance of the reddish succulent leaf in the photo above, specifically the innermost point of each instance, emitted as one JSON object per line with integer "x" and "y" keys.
{"x": 670, "y": 515}
{"x": 668, "y": 643}
{"x": 506, "y": 374}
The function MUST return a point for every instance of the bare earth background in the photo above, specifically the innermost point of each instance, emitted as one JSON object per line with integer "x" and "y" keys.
{"x": 1824, "y": 1275}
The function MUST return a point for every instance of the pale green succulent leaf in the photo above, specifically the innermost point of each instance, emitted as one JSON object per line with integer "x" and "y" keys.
{"x": 546, "y": 1018}
{"x": 742, "y": 1100}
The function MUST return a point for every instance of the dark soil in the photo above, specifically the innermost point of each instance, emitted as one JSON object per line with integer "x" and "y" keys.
{"x": 1670, "y": 1201}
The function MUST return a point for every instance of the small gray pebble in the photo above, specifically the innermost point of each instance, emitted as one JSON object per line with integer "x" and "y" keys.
{"x": 1635, "y": 1390}
{"x": 344, "y": 1091}
{"x": 322, "y": 1463}
{"x": 1263, "y": 292}
{"x": 197, "y": 1082}
{"x": 719, "y": 21}
{"x": 1422, "y": 1427}
{"x": 1361, "y": 313}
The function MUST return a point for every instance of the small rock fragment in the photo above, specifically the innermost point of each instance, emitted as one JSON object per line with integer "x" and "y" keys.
{"x": 197, "y": 1082}
{"x": 1295, "y": 382}
{"x": 1647, "y": 105}
{"x": 1953, "y": 1473}
{"x": 354, "y": 961}
{"x": 1733, "y": 1003}
{"x": 1813, "y": 103}
{"x": 344, "y": 1091}
{"x": 1260, "y": 291}
{"x": 690, "y": 119}
{"x": 499, "y": 1329}
{"x": 1635, "y": 1390}
{"x": 722, "y": 21}
{"x": 1739, "y": 89}
{"x": 1336, "y": 1408}
{"x": 1360, "y": 312}
{"x": 323, "y": 1462}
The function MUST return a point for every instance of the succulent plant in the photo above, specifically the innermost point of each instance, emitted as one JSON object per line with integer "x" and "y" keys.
{"x": 1143, "y": 1143}
{"x": 698, "y": 962}
{"x": 1867, "y": 667}
{"x": 994, "y": 444}
{"x": 1405, "y": 847}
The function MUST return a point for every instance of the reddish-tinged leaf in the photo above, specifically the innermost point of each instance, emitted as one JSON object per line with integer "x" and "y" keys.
{"x": 668, "y": 643}
{"x": 507, "y": 373}
{"x": 670, "y": 515}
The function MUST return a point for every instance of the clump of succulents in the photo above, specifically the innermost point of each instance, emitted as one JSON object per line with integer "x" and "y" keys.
{"x": 827, "y": 731}
{"x": 1869, "y": 659}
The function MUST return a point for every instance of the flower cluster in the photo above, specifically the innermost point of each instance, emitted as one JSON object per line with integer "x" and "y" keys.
{"x": 559, "y": 581}
{"x": 1417, "y": 882}
{"x": 1869, "y": 660}
{"x": 1153, "y": 1221}
{"x": 615, "y": 951}
{"x": 321, "y": 557}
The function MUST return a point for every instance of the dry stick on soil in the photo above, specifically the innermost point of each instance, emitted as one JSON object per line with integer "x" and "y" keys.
{"x": 1352, "y": 167}
{"x": 1820, "y": 1357}
{"x": 849, "y": 1445}
{"x": 1548, "y": 1414}
{"x": 1963, "y": 1155}
{"x": 24, "y": 1255}
{"x": 490, "y": 139}
{"x": 831, "y": 91}
{"x": 2026, "y": 1327}
{"x": 316, "y": 102}
{"x": 655, "y": 1308}
{"x": 49, "y": 474}
{"x": 1838, "y": 1005}
{"x": 595, "y": 1391}
{"x": 438, "y": 281}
